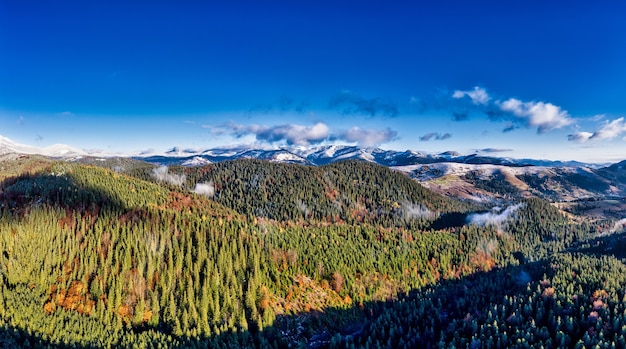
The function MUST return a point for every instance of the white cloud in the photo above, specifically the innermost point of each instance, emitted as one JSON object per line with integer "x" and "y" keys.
{"x": 411, "y": 210}
{"x": 609, "y": 130}
{"x": 162, "y": 174}
{"x": 206, "y": 189}
{"x": 478, "y": 95}
{"x": 368, "y": 137}
{"x": 544, "y": 116}
{"x": 291, "y": 134}
{"x": 495, "y": 217}
{"x": 299, "y": 135}
{"x": 541, "y": 115}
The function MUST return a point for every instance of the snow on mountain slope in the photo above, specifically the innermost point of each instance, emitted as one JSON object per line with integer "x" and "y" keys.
{"x": 56, "y": 150}
{"x": 279, "y": 155}
{"x": 319, "y": 155}
{"x": 501, "y": 181}
{"x": 285, "y": 156}
{"x": 196, "y": 161}
{"x": 425, "y": 172}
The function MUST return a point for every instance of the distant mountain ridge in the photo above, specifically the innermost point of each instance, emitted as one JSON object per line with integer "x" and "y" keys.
{"x": 316, "y": 156}
{"x": 323, "y": 155}
{"x": 474, "y": 177}
{"x": 8, "y": 146}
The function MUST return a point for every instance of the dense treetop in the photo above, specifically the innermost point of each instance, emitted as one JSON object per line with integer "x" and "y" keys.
{"x": 349, "y": 254}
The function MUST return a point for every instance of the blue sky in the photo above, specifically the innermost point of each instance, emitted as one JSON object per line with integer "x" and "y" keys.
{"x": 507, "y": 78}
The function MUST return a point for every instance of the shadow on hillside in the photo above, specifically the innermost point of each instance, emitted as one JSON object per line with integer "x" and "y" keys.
{"x": 449, "y": 220}
{"x": 22, "y": 193}
{"x": 609, "y": 244}
{"x": 417, "y": 318}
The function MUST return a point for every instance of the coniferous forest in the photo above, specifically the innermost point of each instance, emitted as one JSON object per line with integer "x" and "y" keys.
{"x": 251, "y": 253}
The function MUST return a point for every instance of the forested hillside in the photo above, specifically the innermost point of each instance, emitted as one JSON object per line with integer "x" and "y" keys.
{"x": 275, "y": 255}
{"x": 350, "y": 192}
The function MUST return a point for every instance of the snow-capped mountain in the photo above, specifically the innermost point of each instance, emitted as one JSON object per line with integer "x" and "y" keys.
{"x": 315, "y": 156}
{"x": 328, "y": 154}
{"x": 322, "y": 155}
{"x": 56, "y": 151}
{"x": 196, "y": 161}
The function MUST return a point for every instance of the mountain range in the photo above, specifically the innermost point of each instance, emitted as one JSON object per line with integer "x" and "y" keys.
{"x": 318, "y": 155}
{"x": 326, "y": 154}
{"x": 473, "y": 177}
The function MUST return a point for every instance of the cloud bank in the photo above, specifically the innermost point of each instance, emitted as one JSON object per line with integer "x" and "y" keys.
{"x": 292, "y": 134}
{"x": 299, "y": 135}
